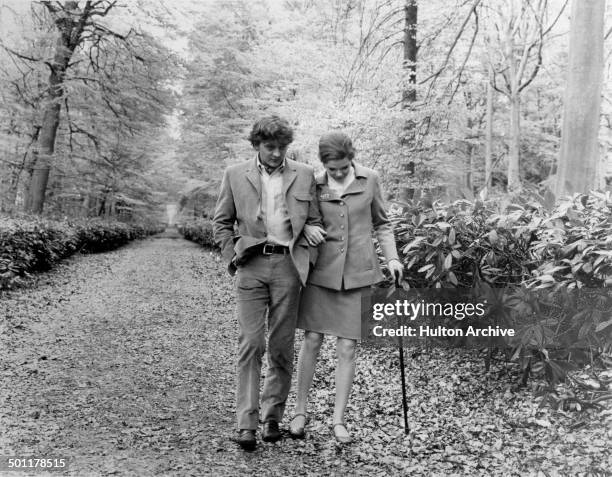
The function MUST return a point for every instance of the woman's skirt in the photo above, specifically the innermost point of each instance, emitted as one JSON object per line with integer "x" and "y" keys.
{"x": 331, "y": 312}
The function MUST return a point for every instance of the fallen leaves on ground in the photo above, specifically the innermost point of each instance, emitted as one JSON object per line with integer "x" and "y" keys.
{"x": 124, "y": 362}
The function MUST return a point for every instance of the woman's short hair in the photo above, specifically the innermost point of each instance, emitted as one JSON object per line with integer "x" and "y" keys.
{"x": 335, "y": 146}
{"x": 271, "y": 128}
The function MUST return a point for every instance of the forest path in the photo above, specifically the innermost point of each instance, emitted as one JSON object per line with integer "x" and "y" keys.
{"x": 123, "y": 362}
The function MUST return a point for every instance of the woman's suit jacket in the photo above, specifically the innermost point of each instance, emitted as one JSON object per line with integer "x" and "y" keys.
{"x": 347, "y": 259}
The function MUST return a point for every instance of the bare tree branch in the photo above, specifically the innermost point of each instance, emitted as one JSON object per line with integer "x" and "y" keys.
{"x": 453, "y": 44}
{"x": 467, "y": 56}
{"x": 22, "y": 56}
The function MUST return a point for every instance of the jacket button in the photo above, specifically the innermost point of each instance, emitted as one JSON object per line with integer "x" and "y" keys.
{"x": 342, "y": 249}
{"x": 341, "y": 203}
{"x": 342, "y": 226}
{"x": 341, "y": 215}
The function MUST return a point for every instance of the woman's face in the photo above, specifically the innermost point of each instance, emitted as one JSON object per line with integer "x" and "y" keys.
{"x": 338, "y": 168}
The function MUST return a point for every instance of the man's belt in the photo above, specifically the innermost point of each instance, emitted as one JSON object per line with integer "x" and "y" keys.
{"x": 270, "y": 248}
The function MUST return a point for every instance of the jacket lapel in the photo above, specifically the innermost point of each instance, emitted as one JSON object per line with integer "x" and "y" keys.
{"x": 359, "y": 184}
{"x": 252, "y": 175}
{"x": 289, "y": 175}
{"x": 323, "y": 192}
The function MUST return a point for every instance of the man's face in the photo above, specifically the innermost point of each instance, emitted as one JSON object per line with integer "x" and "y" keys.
{"x": 271, "y": 153}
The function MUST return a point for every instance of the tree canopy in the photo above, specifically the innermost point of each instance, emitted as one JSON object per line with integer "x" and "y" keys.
{"x": 156, "y": 98}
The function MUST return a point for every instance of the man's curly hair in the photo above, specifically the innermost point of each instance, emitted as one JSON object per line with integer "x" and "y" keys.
{"x": 271, "y": 128}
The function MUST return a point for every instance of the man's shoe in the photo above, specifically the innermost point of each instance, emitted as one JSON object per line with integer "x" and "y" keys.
{"x": 270, "y": 432}
{"x": 246, "y": 439}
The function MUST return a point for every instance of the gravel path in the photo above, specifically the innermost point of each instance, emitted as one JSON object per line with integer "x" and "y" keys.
{"x": 124, "y": 363}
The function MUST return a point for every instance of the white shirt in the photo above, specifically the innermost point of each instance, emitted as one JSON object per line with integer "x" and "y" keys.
{"x": 274, "y": 206}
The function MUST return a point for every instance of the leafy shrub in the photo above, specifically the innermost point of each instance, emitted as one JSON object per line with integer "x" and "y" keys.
{"x": 532, "y": 243}
{"x": 33, "y": 244}
{"x": 452, "y": 245}
{"x": 574, "y": 244}
{"x": 528, "y": 259}
{"x": 199, "y": 231}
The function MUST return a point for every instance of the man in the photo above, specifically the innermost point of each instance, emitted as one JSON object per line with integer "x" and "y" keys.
{"x": 271, "y": 199}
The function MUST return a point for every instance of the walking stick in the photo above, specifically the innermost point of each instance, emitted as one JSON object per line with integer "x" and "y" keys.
{"x": 402, "y": 370}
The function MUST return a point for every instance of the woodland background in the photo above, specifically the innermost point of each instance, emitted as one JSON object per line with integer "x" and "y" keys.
{"x": 131, "y": 109}
{"x": 481, "y": 116}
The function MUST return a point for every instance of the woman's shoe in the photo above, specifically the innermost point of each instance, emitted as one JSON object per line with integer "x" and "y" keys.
{"x": 341, "y": 438}
{"x": 297, "y": 431}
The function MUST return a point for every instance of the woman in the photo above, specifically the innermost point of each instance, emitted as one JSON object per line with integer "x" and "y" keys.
{"x": 351, "y": 203}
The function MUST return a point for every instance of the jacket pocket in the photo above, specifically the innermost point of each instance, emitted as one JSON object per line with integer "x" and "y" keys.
{"x": 303, "y": 196}
{"x": 302, "y": 203}
{"x": 361, "y": 259}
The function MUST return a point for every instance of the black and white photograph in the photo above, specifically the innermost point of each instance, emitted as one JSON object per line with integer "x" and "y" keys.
{"x": 306, "y": 238}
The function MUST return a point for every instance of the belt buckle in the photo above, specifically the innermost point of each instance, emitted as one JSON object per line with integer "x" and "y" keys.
{"x": 264, "y": 249}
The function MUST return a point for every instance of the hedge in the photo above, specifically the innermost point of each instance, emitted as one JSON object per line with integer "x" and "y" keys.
{"x": 199, "y": 231}
{"x": 33, "y": 244}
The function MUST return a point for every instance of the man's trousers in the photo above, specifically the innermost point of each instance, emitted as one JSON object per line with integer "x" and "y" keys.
{"x": 266, "y": 286}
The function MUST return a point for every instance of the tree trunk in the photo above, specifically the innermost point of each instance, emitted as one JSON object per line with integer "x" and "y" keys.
{"x": 409, "y": 93}
{"x": 85, "y": 205}
{"x": 26, "y": 164}
{"x": 489, "y": 133}
{"x": 410, "y": 51}
{"x": 469, "y": 176}
{"x": 468, "y": 170}
{"x": 110, "y": 206}
{"x": 600, "y": 173}
{"x": 514, "y": 178}
{"x": 579, "y": 153}
{"x": 42, "y": 164}
{"x": 513, "y": 170}
{"x": 28, "y": 181}
{"x": 70, "y": 22}
{"x": 100, "y": 205}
